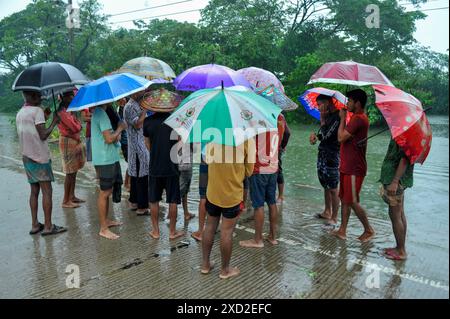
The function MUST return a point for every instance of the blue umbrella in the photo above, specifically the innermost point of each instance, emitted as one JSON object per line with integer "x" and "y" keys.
{"x": 108, "y": 89}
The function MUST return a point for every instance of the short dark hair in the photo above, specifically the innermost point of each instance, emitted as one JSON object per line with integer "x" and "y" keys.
{"x": 358, "y": 95}
{"x": 323, "y": 97}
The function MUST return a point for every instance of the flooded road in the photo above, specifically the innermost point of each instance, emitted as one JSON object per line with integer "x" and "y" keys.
{"x": 308, "y": 263}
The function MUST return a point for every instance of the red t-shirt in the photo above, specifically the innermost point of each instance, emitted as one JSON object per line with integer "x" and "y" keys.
{"x": 353, "y": 157}
{"x": 267, "y": 147}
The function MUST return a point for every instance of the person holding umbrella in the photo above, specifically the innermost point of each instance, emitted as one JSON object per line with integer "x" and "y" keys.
{"x": 328, "y": 156}
{"x": 33, "y": 135}
{"x": 72, "y": 150}
{"x": 105, "y": 158}
{"x": 396, "y": 175}
{"x": 353, "y": 165}
{"x": 410, "y": 144}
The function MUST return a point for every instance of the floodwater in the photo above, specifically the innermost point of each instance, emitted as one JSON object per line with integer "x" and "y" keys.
{"x": 308, "y": 263}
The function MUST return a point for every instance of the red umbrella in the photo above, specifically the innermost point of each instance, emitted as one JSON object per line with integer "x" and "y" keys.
{"x": 407, "y": 121}
{"x": 350, "y": 73}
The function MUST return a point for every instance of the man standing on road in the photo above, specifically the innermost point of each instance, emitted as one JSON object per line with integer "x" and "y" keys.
{"x": 33, "y": 135}
{"x": 353, "y": 165}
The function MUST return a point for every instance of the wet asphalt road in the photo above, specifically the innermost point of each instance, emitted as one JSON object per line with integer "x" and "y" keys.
{"x": 308, "y": 263}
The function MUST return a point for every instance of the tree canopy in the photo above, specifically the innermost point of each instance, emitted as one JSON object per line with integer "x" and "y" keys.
{"x": 291, "y": 38}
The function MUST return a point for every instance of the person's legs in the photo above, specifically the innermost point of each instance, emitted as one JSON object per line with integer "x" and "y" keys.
{"x": 399, "y": 228}
{"x": 345, "y": 215}
{"x": 34, "y": 198}
{"x": 201, "y": 219}
{"x": 154, "y": 209}
{"x": 326, "y": 214}
{"x": 369, "y": 233}
{"x": 334, "y": 205}
{"x": 69, "y": 191}
{"x": 154, "y": 196}
{"x": 173, "y": 211}
{"x": 257, "y": 241}
{"x": 47, "y": 204}
{"x": 226, "y": 247}
{"x": 185, "y": 183}
{"x": 207, "y": 242}
{"x": 103, "y": 207}
{"x": 74, "y": 198}
{"x": 258, "y": 184}
{"x": 172, "y": 185}
{"x": 273, "y": 221}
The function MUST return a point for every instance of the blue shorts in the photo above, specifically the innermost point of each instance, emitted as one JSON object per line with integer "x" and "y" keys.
{"x": 263, "y": 188}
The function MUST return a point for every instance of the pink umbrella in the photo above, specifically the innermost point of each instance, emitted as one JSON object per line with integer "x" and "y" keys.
{"x": 350, "y": 73}
{"x": 261, "y": 78}
{"x": 407, "y": 121}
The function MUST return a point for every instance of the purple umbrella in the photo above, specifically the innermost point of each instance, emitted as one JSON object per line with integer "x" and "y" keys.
{"x": 208, "y": 76}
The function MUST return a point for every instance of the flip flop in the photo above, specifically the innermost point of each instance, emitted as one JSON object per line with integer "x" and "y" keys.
{"x": 390, "y": 254}
{"x": 55, "y": 230}
{"x": 205, "y": 272}
{"x": 319, "y": 216}
{"x": 146, "y": 213}
{"x": 34, "y": 232}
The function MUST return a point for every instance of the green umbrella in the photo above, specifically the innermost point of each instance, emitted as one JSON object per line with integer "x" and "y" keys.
{"x": 226, "y": 116}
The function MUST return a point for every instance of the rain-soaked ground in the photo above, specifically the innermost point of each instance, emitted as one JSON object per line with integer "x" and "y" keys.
{"x": 308, "y": 263}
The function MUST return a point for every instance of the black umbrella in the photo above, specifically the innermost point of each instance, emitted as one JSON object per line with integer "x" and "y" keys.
{"x": 49, "y": 77}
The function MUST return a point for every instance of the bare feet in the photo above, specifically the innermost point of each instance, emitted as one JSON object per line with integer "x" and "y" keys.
{"x": 339, "y": 234}
{"x": 176, "y": 235}
{"x": 251, "y": 243}
{"x": 271, "y": 240}
{"x": 232, "y": 272}
{"x": 113, "y": 223}
{"x": 207, "y": 268}
{"x": 70, "y": 205}
{"x": 188, "y": 216}
{"x": 197, "y": 235}
{"x": 106, "y": 233}
{"x": 366, "y": 236}
{"x": 154, "y": 234}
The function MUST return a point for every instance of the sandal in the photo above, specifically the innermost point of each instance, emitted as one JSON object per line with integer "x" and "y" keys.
{"x": 55, "y": 230}
{"x": 391, "y": 254}
{"x": 147, "y": 212}
{"x": 34, "y": 232}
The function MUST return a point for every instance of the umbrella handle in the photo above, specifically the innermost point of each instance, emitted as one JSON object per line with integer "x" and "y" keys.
{"x": 362, "y": 142}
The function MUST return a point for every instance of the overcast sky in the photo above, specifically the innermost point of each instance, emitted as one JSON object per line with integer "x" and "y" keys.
{"x": 432, "y": 32}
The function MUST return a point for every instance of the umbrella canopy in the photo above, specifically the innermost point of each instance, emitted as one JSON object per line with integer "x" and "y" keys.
{"x": 308, "y": 100}
{"x": 276, "y": 96}
{"x": 407, "y": 121}
{"x": 161, "y": 100}
{"x": 49, "y": 76}
{"x": 108, "y": 89}
{"x": 149, "y": 68}
{"x": 234, "y": 114}
{"x": 209, "y": 76}
{"x": 350, "y": 73}
{"x": 261, "y": 78}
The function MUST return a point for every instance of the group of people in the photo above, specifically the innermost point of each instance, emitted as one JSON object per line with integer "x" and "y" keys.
{"x": 147, "y": 144}
{"x": 342, "y": 162}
